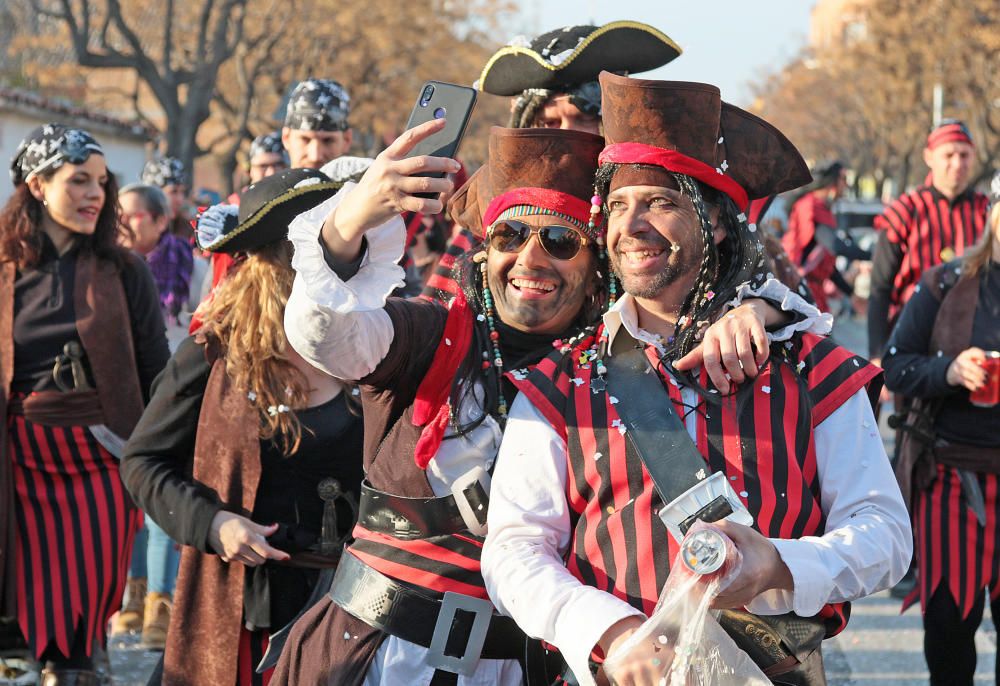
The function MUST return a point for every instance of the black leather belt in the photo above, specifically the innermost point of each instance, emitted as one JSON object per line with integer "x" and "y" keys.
{"x": 457, "y": 629}
{"x": 412, "y": 518}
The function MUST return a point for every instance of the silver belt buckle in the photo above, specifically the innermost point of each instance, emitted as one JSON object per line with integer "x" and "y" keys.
{"x": 450, "y": 604}
{"x": 474, "y": 519}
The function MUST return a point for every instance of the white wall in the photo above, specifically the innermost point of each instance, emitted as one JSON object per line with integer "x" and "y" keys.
{"x": 125, "y": 155}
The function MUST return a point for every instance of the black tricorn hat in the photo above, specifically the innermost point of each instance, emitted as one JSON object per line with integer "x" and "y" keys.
{"x": 576, "y": 54}
{"x": 266, "y": 209}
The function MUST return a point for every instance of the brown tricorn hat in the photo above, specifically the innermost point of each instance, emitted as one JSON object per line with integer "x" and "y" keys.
{"x": 685, "y": 127}
{"x": 551, "y": 169}
{"x": 466, "y": 206}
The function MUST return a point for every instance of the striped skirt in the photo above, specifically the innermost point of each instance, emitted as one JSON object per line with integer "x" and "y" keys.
{"x": 952, "y": 549}
{"x": 75, "y": 526}
{"x": 253, "y": 645}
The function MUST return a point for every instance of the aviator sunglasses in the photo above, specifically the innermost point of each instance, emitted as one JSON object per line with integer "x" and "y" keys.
{"x": 560, "y": 242}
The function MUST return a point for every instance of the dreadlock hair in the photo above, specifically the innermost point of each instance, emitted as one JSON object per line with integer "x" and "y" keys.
{"x": 527, "y": 106}
{"x": 724, "y": 267}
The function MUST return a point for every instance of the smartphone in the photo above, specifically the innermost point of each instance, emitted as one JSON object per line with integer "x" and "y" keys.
{"x": 439, "y": 100}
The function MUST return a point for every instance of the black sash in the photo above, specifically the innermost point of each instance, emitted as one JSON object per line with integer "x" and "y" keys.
{"x": 785, "y": 647}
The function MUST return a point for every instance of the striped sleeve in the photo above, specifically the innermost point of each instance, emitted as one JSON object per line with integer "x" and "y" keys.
{"x": 833, "y": 374}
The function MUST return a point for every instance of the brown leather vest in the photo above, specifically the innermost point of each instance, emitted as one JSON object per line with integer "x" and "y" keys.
{"x": 203, "y": 641}
{"x": 104, "y": 327}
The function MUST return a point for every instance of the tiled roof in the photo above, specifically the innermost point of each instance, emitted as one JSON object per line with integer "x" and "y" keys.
{"x": 29, "y": 102}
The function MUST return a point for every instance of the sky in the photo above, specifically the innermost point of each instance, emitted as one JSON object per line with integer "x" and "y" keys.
{"x": 729, "y": 43}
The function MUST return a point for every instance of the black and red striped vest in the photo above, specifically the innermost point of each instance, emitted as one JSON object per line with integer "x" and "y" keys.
{"x": 760, "y": 437}
{"x": 929, "y": 230}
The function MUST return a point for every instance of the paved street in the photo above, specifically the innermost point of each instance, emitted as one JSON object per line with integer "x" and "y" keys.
{"x": 879, "y": 647}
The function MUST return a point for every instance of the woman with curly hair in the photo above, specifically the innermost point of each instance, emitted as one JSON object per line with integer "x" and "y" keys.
{"x": 81, "y": 339}
{"x": 247, "y": 455}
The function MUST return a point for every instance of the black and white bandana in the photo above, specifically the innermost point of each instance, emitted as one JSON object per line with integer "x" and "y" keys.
{"x": 166, "y": 171}
{"x": 49, "y": 147}
{"x": 268, "y": 143}
{"x": 318, "y": 105}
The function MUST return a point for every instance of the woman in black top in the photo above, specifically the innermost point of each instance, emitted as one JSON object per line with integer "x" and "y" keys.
{"x": 81, "y": 338}
{"x": 247, "y": 455}
{"x": 951, "y": 449}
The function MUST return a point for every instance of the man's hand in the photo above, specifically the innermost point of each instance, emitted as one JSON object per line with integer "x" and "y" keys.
{"x": 735, "y": 345}
{"x": 386, "y": 189}
{"x": 762, "y": 568}
{"x": 238, "y": 539}
{"x": 967, "y": 370}
{"x": 647, "y": 662}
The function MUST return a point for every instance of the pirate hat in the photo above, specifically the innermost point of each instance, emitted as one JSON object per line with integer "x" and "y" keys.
{"x": 686, "y": 128}
{"x": 266, "y": 209}
{"x": 574, "y": 55}
{"x": 540, "y": 171}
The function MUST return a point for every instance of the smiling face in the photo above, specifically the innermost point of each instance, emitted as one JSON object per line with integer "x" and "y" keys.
{"x": 536, "y": 293}
{"x": 73, "y": 196}
{"x": 654, "y": 239}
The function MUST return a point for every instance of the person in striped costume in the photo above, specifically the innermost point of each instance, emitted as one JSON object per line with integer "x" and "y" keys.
{"x": 934, "y": 223}
{"x": 576, "y": 551}
{"x": 435, "y": 397}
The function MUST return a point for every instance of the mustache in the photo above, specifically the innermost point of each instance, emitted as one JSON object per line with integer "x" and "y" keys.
{"x": 632, "y": 244}
{"x": 534, "y": 275}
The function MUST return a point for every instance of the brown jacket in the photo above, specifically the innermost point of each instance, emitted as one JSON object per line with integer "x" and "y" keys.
{"x": 101, "y": 307}
{"x": 203, "y": 641}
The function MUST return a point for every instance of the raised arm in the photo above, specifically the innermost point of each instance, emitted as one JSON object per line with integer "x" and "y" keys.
{"x": 346, "y": 259}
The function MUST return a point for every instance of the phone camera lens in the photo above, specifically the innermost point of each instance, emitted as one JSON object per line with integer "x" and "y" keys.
{"x": 426, "y": 95}
{"x": 440, "y": 112}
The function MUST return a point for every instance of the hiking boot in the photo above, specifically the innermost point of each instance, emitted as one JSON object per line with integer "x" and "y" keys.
{"x": 156, "y": 620}
{"x": 129, "y": 619}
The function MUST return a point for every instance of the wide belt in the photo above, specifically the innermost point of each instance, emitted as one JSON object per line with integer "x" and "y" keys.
{"x": 411, "y": 518}
{"x": 457, "y": 629}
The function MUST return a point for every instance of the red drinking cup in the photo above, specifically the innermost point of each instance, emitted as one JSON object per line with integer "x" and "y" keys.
{"x": 989, "y": 394}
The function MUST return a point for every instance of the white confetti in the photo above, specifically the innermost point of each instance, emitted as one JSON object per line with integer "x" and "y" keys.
{"x": 447, "y": 341}
{"x": 616, "y": 422}
{"x": 700, "y": 474}
{"x": 577, "y": 380}
{"x": 752, "y": 227}
{"x": 744, "y": 494}
{"x": 613, "y": 400}
{"x": 355, "y": 391}
{"x": 800, "y": 366}
{"x": 481, "y": 317}
{"x": 662, "y": 640}
{"x": 622, "y": 429}
{"x": 892, "y": 350}
{"x": 252, "y": 396}
{"x": 765, "y": 389}
{"x": 347, "y": 635}
{"x": 598, "y": 456}
{"x": 856, "y": 363}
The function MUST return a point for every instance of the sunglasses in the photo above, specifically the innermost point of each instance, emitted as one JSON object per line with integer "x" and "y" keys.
{"x": 560, "y": 242}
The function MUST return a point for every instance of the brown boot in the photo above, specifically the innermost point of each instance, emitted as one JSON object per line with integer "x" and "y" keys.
{"x": 69, "y": 677}
{"x": 129, "y": 618}
{"x": 156, "y": 620}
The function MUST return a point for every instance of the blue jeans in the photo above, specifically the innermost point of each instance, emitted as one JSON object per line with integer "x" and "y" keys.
{"x": 155, "y": 557}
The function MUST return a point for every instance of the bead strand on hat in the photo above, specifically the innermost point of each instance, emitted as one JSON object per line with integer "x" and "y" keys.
{"x": 491, "y": 313}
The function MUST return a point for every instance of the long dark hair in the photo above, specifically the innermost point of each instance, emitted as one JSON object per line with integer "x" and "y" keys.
{"x": 21, "y": 227}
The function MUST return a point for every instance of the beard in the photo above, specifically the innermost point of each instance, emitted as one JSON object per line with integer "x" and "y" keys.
{"x": 680, "y": 265}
